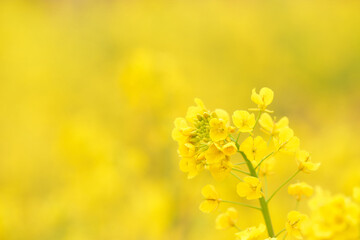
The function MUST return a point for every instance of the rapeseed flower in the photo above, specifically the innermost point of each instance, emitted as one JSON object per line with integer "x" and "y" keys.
{"x": 304, "y": 162}
{"x": 250, "y": 188}
{"x": 254, "y": 148}
{"x": 243, "y": 120}
{"x": 252, "y": 233}
{"x": 270, "y": 127}
{"x": 300, "y": 189}
{"x": 294, "y": 225}
{"x": 227, "y": 219}
{"x": 263, "y": 99}
{"x": 211, "y": 199}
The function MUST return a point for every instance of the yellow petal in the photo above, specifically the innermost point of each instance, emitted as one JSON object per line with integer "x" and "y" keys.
{"x": 266, "y": 122}
{"x": 208, "y": 206}
{"x": 267, "y": 95}
{"x": 209, "y": 192}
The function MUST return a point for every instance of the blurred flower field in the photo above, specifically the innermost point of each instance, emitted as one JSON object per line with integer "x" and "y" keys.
{"x": 89, "y": 91}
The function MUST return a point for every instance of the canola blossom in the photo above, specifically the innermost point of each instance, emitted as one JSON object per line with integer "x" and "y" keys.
{"x": 208, "y": 142}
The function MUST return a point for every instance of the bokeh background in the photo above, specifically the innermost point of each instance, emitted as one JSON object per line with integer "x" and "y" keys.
{"x": 89, "y": 91}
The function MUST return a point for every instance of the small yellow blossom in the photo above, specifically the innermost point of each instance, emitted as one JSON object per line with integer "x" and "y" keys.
{"x": 244, "y": 121}
{"x": 254, "y": 148}
{"x": 211, "y": 199}
{"x": 252, "y": 233}
{"x": 221, "y": 169}
{"x": 229, "y": 148}
{"x": 294, "y": 225}
{"x": 181, "y": 131}
{"x": 267, "y": 167}
{"x": 286, "y": 141}
{"x": 227, "y": 219}
{"x": 300, "y": 189}
{"x": 186, "y": 150}
{"x": 250, "y": 188}
{"x": 304, "y": 162}
{"x": 263, "y": 99}
{"x": 270, "y": 127}
{"x": 192, "y": 165}
{"x": 218, "y": 129}
{"x": 356, "y": 194}
{"x": 194, "y": 111}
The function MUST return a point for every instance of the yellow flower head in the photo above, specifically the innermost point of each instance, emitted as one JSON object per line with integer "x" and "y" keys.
{"x": 250, "y": 188}
{"x": 227, "y": 219}
{"x": 286, "y": 141}
{"x": 254, "y": 148}
{"x": 267, "y": 167}
{"x": 252, "y": 233}
{"x": 186, "y": 150}
{"x": 304, "y": 162}
{"x": 244, "y": 121}
{"x": 356, "y": 194}
{"x": 263, "y": 99}
{"x": 221, "y": 169}
{"x": 300, "y": 189}
{"x": 270, "y": 127}
{"x": 229, "y": 148}
{"x": 211, "y": 199}
{"x": 294, "y": 224}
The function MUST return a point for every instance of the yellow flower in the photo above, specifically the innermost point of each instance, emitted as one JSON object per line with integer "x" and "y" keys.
{"x": 186, "y": 150}
{"x": 273, "y": 128}
{"x": 300, "y": 189}
{"x": 244, "y": 121}
{"x": 254, "y": 149}
{"x": 304, "y": 162}
{"x": 227, "y": 219}
{"x": 211, "y": 199}
{"x": 252, "y": 233}
{"x": 286, "y": 141}
{"x": 267, "y": 167}
{"x": 263, "y": 99}
{"x": 218, "y": 129}
{"x": 356, "y": 194}
{"x": 192, "y": 165}
{"x": 221, "y": 169}
{"x": 294, "y": 224}
{"x": 194, "y": 111}
{"x": 182, "y": 131}
{"x": 250, "y": 188}
{"x": 229, "y": 149}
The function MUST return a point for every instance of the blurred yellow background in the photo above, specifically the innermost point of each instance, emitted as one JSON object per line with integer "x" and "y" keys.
{"x": 89, "y": 91}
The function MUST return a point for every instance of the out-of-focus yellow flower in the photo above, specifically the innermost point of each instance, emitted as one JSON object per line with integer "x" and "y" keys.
{"x": 333, "y": 217}
{"x": 227, "y": 219}
{"x": 221, "y": 169}
{"x": 254, "y": 148}
{"x": 211, "y": 199}
{"x": 356, "y": 194}
{"x": 286, "y": 141}
{"x": 294, "y": 225}
{"x": 263, "y": 99}
{"x": 300, "y": 189}
{"x": 273, "y": 128}
{"x": 192, "y": 165}
{"x": 250, "y": 188}
{"x": 304, "y": 162}
{"x": 243, "y": 120}
{"x": 252, "y": 233}
{"x": 267, "y": 167}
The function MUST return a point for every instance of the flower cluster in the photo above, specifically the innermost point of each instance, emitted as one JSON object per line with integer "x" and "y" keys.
{"x": 207, "y": 140}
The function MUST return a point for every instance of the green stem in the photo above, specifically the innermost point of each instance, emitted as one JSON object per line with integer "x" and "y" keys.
{"x": 236, "y": 176}
{"x": 241, "y": 204}
{"x": 263, "y": 203}
{"x": 240, "y": 163}
{"x": 283, "y": 230}
{"x": 282, "y": 185}
{"x": 262, "y": 160}
{"x": 238, "y": 170}
{"x": 257, "y": 120}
